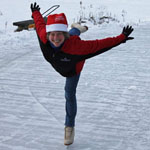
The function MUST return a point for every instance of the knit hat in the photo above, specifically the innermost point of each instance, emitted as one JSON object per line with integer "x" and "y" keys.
{"x": 57, "y": 22}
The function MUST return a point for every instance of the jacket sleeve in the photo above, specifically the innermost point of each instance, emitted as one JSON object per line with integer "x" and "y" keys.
{"x": 40, "y": 26}
{"x": 92, "y": 47}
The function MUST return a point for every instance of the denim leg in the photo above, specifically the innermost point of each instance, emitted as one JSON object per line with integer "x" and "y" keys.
{"x": 74, "y": 31}
{"x": 71, "y": 103}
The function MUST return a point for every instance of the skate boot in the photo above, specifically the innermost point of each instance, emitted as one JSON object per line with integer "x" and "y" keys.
{"x": 69, "y": 135}
{"x": 80, "y": 27}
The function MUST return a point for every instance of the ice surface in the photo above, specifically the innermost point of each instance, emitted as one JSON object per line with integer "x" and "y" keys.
{"x": 113, "y": 92}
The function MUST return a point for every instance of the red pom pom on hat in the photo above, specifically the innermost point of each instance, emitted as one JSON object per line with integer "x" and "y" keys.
{"x": 57, "y": 22}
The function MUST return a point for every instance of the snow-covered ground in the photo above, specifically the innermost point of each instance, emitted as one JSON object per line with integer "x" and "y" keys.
{"x": 113, "y": 92}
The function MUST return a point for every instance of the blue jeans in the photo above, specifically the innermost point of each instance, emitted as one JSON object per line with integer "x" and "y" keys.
{"x": 71, "y": 102}
{"x": 74, "y": 31}
{"x": 70, "y": 93}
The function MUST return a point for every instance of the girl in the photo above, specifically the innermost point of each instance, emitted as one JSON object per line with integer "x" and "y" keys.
{"x": 67, "y": 53}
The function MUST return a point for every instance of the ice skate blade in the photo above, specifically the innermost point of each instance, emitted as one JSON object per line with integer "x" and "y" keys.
{"x": 67, "y": 144}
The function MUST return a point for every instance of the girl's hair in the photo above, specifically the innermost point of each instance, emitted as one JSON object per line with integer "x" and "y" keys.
{"x": 66, "y": 35}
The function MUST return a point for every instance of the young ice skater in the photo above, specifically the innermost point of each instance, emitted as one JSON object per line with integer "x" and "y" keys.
{"x": 67, "y": 53}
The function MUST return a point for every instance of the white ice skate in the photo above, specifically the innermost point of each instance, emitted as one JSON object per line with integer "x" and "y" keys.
{"x": 80, "y": 27}
{"x": 69, "y": 135}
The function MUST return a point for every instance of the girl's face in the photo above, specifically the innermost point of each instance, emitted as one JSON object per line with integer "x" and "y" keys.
{"x": 56, "y": 38}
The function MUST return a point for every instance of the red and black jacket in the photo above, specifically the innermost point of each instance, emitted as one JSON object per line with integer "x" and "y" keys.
{"x": 69, "y": 60}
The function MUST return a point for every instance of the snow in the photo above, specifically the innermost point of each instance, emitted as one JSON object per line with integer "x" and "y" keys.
{"x": 113, "y": 92}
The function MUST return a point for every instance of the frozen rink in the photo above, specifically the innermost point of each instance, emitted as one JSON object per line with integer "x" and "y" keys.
{"x": 113, "y": 97}
{"x": 113, "y": 93}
